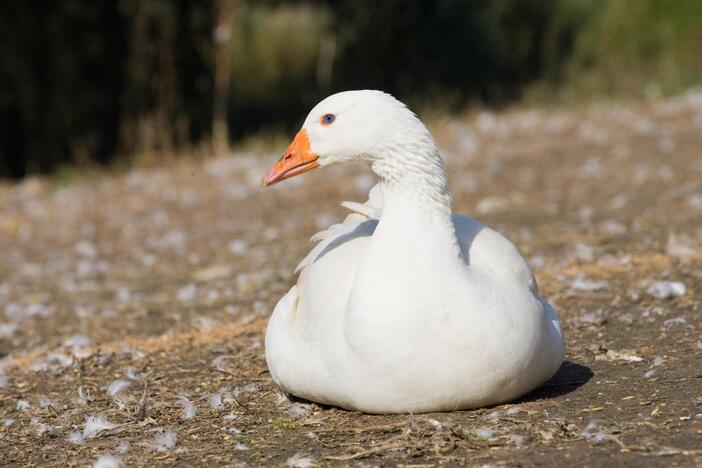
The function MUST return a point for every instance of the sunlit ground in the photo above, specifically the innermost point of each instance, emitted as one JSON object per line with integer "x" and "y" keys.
{"x": 135, "y": 305}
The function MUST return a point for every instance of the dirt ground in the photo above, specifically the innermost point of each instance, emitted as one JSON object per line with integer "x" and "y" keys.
{"x": 133, "y": 307}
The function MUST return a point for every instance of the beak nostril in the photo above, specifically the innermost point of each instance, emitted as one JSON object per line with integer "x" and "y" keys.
{"x": 296, "y": 159}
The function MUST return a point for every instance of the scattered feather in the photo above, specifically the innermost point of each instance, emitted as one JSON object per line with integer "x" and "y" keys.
{"x": 133, "y": 352}
{"x": 240, "y": 446}
{"x": 484, "y": 433}
{"x": 76, "y": 341}
{"x": 612, "y": 355}
{"x": 84, "y": 396}
{"x": 281, "y": 398}
{"x": 493, "y": 415}
{"x": 300, "y": 460}
{"x": 53, "y": 362}
{"x": 626, "y": 318}
{"x": 237, "y": 247}
{"x": 666, "y": 289}
{"x": 131, "y": 375}
{"x": 584, "y": 284}
{"x": 123, "y": 295}
{"x": 584, "y": 252}
{"x": 75, "y": 437}
{"x": 596, "y": 317}
{"x": 86, "y": 249}
{"x": 23, "y": 405}
{"x": 215, "y": 401}
{"x": 593, "y": 435}
{"x": 122, "y": 400}
{"x": 39, "y": 426}
{"x": 223, "y": 363}
{"x": 187, "y": 293}
{"x": 96, "y": 424}
{"x": 165, "y": 440}
{"x": 108, "y": 461}
{"x": 537, "y": 261}
{"x": 45, "y": 402}
{"x": 248, "y": 388}
{"x": 123, "y": 447}
{"x": 189, "y": 408}
{"x": 117, "y": 386}
{"x": 675, "y": 321}
{"x": 7, "y": 329}
{"x": 300, "y": 410}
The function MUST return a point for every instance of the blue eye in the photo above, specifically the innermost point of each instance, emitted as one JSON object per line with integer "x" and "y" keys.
{"x": 328, "y": 119}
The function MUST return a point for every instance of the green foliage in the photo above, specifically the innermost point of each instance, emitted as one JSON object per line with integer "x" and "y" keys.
{"x": 274, "y": 57}
{"x": 626, "y": 47}
{"x": 95, "y": 81}
{"x": 284, "y": 425}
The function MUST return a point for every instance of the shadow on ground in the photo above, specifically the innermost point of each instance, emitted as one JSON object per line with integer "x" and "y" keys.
{"x": 569, "y": 377}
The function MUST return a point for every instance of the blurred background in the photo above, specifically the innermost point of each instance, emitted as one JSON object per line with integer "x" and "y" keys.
{"x": 109, "y": 83}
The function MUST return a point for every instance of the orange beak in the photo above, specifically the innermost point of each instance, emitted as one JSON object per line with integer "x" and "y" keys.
{"x": 298, "y": 158}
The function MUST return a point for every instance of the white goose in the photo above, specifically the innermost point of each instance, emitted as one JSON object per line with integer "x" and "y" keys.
{"x": 404, "y": 307}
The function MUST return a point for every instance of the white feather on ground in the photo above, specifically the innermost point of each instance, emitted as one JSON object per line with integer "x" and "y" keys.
{"x": 590, "y": 433}
{"x": 75, "y": 437}
{"x": 484, "y": 433}
{"x": 123, "y": 447}
{"x": 189, "y": 408}
{"x": 108, "y": 461}
{"x": 666, "y": 289}
{"x": 165, "y": 440}
{"x": 117, "y": 386}
{"x": 300, "y": 410}
{"x": 215, "y": 401}
{"x": 96, "y": 424}
{"x": 300, "y": 460}
{"x": 223, "y": 363}
{"x": 23, "y": 405}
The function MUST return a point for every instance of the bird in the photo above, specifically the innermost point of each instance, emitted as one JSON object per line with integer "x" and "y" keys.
{"x": 404, "y": 307}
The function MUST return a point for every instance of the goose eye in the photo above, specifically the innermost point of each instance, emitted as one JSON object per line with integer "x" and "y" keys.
{"x": 328, "y": 119}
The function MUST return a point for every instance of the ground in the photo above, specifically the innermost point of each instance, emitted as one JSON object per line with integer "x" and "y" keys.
{"x": 135, "y": 304}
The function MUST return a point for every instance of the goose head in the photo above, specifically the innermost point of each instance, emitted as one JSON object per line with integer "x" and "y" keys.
{"x": 358, "y": 126}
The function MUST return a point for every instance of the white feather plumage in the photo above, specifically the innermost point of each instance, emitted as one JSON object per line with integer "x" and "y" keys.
{"x": 405, "y": 306}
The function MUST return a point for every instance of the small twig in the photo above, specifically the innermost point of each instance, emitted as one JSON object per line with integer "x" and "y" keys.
{"x": 246, "y": 408}
{"x": 141, "y": 412}
{"x": 365, "y": 453}
{"x": 358, "y": 430}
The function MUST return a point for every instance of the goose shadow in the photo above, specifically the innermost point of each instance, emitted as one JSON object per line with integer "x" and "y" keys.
{"x": 569, "y": 377}
{"x": 466, "y": 230}
{"x": 363, "y": 229}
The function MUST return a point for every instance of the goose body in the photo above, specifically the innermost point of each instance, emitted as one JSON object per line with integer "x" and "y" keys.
{"x": 405, "y": 306}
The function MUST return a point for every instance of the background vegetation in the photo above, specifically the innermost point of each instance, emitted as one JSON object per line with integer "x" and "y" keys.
{"x": 84, "y": 81}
